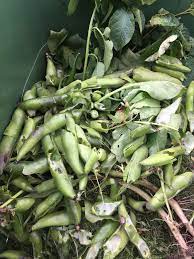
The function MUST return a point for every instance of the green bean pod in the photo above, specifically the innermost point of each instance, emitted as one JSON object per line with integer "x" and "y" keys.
{"x": 55, "y": 219}
{"x": 140, "y": 131}
{"x": 70, "y": 147}
{"x": 190, "y": 104}
{"x": 102, "y": 154}
{"x": 81, "y": 136}
{"x": 38, "y": 166}
{"x": 172, "y": 63}
{"x": 93, "y": 158}
{"x": 105, "y": 231}
{"x": 48, "y": 204}
{"x": 142, "y": 74}
{"x": 45, "y": 186}
{"x": 177, "y": 74}
{"x": 133, "y": 146}
{"x": 179, "y": 183}
{"x": 136, "y": 205}
{"x": 31, "y": 94}
{"x": 29, "y": 127}
{"x": 158, "y": 159}
{"x": 132, "y": 233}
{"x": 56, "y": 122}
{"x": 43, "y": 102}
{"x": 168, "y": 174}
{"x": 12, "y": 254}
{"x": 132, "y": 171}
{"x": 51, "y": 72}
{"x": 22, "y": 183}
{"x": 60, "y": 176}
{"x": 36, "y": 240}
{"x": 24, "y": 204}
{"x": 10, "y": 136}
{"x": 83, "y": 181}
{"x": 115, "y": 244}
{"x": 84, "y": 152}
{"x": 74, "y": 209}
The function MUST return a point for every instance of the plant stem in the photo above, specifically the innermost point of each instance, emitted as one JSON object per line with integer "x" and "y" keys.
{"x": 88, "y": 42}
{"x": 175, "y": 231}
{"x": 161, "y": 176}
{"x": 174, "y": 205}
{"x": 11, "y": 199}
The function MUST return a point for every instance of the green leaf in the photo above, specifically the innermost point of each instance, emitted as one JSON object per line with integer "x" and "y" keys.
{"x": 148, "y": 112}
{"x": 55, "y": 39}
{"x": 122, "y": 25}
{"x": 157, "y": 141}
{"x": 164, "y": 116}
{"x": 99, "y": 70}
{"x": 130, "y": 59}
{"x": 108, "y": 53}
{"x": 161, "y": 90}
{"x": 72, "y": 6}
{"x": 118, "y": 146}
{"x": 139, "y": 18}
{"x": 165, "y": 19}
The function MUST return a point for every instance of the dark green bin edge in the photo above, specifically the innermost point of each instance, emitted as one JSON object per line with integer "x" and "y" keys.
{"x": 24, "y": 30}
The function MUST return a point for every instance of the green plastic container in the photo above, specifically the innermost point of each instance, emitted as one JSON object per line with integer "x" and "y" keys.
{"x": 24, "y": 30}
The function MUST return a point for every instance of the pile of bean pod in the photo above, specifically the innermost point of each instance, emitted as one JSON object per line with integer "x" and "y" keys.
{"x": 113, "y": 134}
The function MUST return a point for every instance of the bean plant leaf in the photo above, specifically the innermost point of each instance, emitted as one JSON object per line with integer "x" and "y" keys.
{"x": 99, "y": 70}
{"x": 157, "y": 141}
{"x": 72, "y": 6}
{"x": 118, "y": 146}
{"x": 56, "y": 39}
{"x": 165, "y": 19}
{"x": 163, "y": 48}
{"x": 188, "y": 143}
{"x": 161, "y": 90}
{"x": 122, "y": 25}
{"x": 105, "y": 208}
{"x": 139, "y": 18}
{"x": 164, "y": 116}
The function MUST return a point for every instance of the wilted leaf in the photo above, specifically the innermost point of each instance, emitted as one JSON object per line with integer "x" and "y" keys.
{"x": 164, "y": 116}
{"x": 161, "y": 90}
{"x": 55, "y": 39}
{"x": 122, "y": 25}
{"x": 165, "y": 19}
{"x": 90, "y": 216}
{"x": 188, "y": 143}
{"x": 130, "y": 59}
{"x": 83, "y": 236}
{"x": 105, "y": 208}
{"x": 163, "y": 48}
{"x": 157, "y": 141}
{"x": 139, "y": 18}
